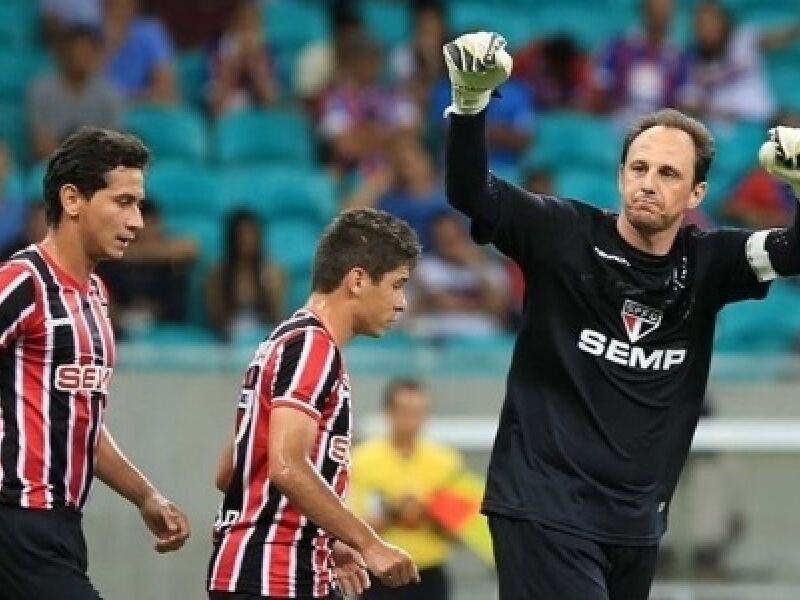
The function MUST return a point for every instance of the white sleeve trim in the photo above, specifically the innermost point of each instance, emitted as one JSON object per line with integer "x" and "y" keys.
{"x": 758, "y": 257}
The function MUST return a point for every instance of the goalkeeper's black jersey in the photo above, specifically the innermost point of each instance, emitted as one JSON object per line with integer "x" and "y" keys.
{"x": 610, "y": 366}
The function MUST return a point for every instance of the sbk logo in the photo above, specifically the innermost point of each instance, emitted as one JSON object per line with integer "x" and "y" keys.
{"x": 639, "y": 320}
{"x": 83, "y": 378}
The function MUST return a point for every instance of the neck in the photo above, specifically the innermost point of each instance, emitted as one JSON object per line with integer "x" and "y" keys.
{"x": 68, "y": 253}
{"x": 658, "y": 243}
{"x": 403, "y": 445}
{"x": 329, "y": 310}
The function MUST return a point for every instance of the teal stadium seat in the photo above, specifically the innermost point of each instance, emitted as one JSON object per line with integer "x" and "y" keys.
{"x": 12, "y": 130}
{"x": 589, "y": 186}
{"x": 33, "y": 184}
{"x": 185, "y": 189}
{"x": 259, "y": 136}
{"x": 19, "y": 24}
{"x": 576, "y": 140}
{"x": 291, "y": 24}
{"x": 770, "y": 325}
{"x": 388, "y": 22}
{"x": 13, "y": 186}
{"x": 192, "y": 73}
{"x": 785, "y": 82}
{"x": 279, "y": 192}
{"x": 206, "y": 231}
{"x": 17, "y": 70}
{"x": 737, "y": 148}
{"x": 171, "y": 132}
{"x": 515, "y": 26}
{"x": 291, "y": 242}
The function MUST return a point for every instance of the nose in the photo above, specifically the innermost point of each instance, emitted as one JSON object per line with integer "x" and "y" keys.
{"x": 136, "y": 221}
{"x": 648, "y": 182}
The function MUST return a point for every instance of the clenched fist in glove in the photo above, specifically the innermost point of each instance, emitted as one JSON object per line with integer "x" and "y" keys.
{"x": 477, "y": 64}
{"x": 780, "y": 156}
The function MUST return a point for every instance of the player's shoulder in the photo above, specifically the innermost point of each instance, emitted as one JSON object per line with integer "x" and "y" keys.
{"x": 17, "y": 269}
{"x": 445, "y": 457}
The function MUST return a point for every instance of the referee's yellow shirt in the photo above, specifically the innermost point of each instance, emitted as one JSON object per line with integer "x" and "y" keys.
{"x": 381, "y": 473}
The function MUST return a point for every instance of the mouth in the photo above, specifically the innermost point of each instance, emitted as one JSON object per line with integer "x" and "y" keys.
{"x": 125, "y": 240}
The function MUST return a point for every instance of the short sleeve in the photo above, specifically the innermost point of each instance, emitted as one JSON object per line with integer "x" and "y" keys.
{"x": 17, "y": 302}
{"x": 307, "y": 368}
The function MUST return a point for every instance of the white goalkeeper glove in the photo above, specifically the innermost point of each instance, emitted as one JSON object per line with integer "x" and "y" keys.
{"x": 780, "y": 156}
{"x": 477, "y": 64}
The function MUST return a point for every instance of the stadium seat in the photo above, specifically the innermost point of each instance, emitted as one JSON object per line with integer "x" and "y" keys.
{"x": 19, "y": 24}
{"x": 13, "y": 131}
{"x": 291, "y": 242}
{"x": 784, "y": 79}
{"x": 275, "y": 192}
{"x": 589, "y": 186}
{"x": 206, "y": 231}
{"x": 770, "y": 325}
{"x": 576, "y": 140}
{"x": 514, "y": 25}
{"x": 184, "y": 189}
{"x": 33, "y": 184}
{"x": 291, "y": 24}
{"x": 192, "y": 75}
{"x": 171, "y": 132}
{"x": 13, "y": 186}
{"x": 258, "y": 136}
{"x": 17, "y": 70}
{"x": 389, "y": 22}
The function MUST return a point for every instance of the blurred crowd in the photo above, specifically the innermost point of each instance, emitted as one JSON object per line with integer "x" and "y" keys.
{"x": 268, "y": 116}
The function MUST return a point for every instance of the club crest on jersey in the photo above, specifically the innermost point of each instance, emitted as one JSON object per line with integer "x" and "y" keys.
{"x": 639, "y": 320}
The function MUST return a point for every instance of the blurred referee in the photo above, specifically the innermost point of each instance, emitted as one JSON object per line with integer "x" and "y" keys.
{"x": 56, "y": 360}
{"x": 612, "y": 359}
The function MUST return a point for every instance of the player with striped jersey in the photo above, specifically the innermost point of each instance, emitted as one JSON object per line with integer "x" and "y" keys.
{"x": 283, "y": 530}
{"x": 56, "y": 360}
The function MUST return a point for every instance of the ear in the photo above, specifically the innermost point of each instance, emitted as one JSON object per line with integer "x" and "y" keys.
{"x": 70, "y": 199}
{"x": 355, "y": 281}
{"x": 698, "y": 193}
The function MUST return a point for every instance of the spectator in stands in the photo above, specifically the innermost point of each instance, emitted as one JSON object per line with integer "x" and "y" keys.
{"x": 458, "y": 290}
{"x": 241, "y": 64}
{"x": 408, "y": 187}
{"x": 361, "y": 115}
{"x": 57, "y": 14}
{"x": 34, "y": 231}
{"x": 539, "y": 180}
{"x": 150, "y": 285}
{"x": 245, "y": 291}
{"x": 319, "y": 62}
{"x": 393, "y": 477}
{"x": 558, "y": 73}
{"x": 418, "y": 64}
{"x": 140, "y": 56}
{"x": 642, "y": 71}
{"x": 761, "y": 201}
{"x": 192, "y": 23}
{"x": 13, "y": 208}
{"x": 726, "y": 76}
{"x": 74, "y": 95}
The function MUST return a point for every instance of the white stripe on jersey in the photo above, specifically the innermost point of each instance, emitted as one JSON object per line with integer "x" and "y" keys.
{"x": 758, "y": 257}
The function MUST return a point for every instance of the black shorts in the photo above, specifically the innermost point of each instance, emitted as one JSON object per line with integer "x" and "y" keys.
{"x": 432, "y": 585}
{"x": 536, "y": 562}
{"x": 43, "y": 555}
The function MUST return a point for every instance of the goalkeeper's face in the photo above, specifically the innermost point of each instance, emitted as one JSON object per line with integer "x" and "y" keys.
{"x": 656, "y": 181}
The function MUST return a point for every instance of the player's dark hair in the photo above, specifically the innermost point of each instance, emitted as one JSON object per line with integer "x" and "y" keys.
{"x": 669, "y": 117}
{"x": 397, "y": 385}
{"x": 363, "y": 237}
{"x": 84, "y": 159}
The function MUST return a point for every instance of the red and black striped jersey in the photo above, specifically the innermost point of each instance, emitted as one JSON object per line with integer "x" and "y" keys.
{"x": 56, "y": 359}
{"x": 263, "y": 545}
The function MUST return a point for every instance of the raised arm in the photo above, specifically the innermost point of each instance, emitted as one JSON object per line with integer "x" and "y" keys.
{"x": 776, "y": 252}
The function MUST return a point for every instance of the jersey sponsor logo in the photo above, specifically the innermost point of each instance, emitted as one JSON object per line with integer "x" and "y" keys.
{"x": 339, "y": 449}
{"x": 611, "y": 257}
{"x": 627, "y": 355}
{"x": 85, "y": 378}
{"x": 639, "y": 319}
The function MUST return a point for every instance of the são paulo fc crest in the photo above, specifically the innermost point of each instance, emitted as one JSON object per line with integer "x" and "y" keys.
{"x": 639, "y": 320}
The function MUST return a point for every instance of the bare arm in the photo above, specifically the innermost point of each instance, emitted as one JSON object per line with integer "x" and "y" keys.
{"x": 161, "y": 516}
{"x": 777, "y": 38}
{"x": 291, "y": 437}
{"x": 224, "y": 474}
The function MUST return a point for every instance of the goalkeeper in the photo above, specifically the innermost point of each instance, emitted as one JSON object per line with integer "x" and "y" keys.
{"x": 611, "y": 362}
